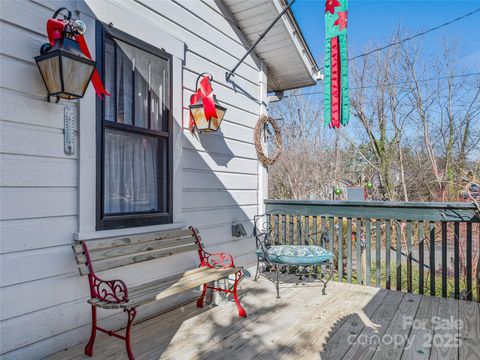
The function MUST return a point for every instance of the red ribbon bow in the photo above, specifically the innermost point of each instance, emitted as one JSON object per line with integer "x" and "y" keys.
{"x": 54, "y": 32}
{"x": 205, "y": 93}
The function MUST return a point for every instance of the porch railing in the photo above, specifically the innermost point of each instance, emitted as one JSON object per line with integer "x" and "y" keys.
{"x": 430, "y": 248}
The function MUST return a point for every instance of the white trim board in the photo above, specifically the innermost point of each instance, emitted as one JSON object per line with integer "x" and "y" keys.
{"x": 127, "y": 16}
{"x": 126, "y": 232}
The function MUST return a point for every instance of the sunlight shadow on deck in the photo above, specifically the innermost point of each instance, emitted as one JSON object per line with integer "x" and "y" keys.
{"x": 350, "y": 322}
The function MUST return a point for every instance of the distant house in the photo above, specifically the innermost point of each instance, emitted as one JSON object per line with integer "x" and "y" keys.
{"x": 49, "y": 199}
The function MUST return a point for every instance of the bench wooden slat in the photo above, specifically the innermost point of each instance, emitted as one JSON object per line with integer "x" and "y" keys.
{"x": 180, "y": 279}
{"x": 130, "y": 240}
{"x": 209, "y": 276}
{"x": 151, "y": 293}
{"x": 112, "y": 263}
{"x": 102, "y": 254}
{"x": 142, "y": 288}
{"x": 81, "y": 259}
{"x": 169, "y": 287}
{"x": 83, "y": 269}
{"x": 137, "y": 248}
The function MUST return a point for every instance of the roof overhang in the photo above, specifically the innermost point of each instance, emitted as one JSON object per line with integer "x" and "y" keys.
{"x": 284, "y": 51}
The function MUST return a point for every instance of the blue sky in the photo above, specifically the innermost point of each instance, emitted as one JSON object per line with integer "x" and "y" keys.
{"x": 376, "y": 21}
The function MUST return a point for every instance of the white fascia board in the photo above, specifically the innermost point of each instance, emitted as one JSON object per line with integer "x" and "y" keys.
{"x": 309, "y": 66}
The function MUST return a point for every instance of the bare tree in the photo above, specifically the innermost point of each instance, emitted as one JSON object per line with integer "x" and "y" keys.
{"x": 445, "y": 108}
{"x": 413, "y": 129}
{"x": 377, "y": 104}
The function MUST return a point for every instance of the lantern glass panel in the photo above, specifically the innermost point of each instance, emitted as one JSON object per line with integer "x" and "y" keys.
{"x": 215, "y": 122}
{"x": 76, "y": 75}
{"x": 50, "y": 70}
{"x": 199, "y": 116}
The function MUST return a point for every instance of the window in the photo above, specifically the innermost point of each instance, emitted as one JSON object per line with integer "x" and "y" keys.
{"x": 134, "y": 149}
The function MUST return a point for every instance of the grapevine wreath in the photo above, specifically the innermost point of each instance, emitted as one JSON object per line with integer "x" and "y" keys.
{"x": 261, "y": 124}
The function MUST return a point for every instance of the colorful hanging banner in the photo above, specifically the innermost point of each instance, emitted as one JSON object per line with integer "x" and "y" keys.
{"x": 336, "y": 99}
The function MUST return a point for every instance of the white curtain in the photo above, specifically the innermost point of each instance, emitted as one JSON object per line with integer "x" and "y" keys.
{"x": 130, "y": 172}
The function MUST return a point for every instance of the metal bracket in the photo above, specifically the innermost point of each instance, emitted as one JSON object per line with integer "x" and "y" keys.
{"x": 262, "y": 35}
{"x": 69, "y": 116}
{"x": 238, "y": 230}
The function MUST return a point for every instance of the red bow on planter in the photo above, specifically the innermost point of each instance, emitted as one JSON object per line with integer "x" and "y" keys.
{"x": 204, "y": 94}
{"x": 55, "y": 31}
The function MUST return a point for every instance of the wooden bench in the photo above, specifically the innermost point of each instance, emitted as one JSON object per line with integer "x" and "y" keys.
{"x": 92, "y": 256}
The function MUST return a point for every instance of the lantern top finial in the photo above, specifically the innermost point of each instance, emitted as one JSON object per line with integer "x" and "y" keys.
{"x": 210, "y": 78}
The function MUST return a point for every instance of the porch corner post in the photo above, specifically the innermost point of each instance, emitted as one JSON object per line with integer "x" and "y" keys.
{"x": 262, "y": 178}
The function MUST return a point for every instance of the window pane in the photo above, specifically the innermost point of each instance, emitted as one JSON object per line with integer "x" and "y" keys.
{"x": 132, "y": 164}
{"x": 159, "y": 96}
{"x": 141, "y": 100}
{"x": 163, "y": 175}
{"x": 109, "y": 71}
{"x": 151, "y": 85}
{"x": 124, "y": 88}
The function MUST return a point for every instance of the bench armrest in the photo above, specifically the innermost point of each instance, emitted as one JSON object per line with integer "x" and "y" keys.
{"x": 112, "y": 291}
{"x": 221, "y": 260}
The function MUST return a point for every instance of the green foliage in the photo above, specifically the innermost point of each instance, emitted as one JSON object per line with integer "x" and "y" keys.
{"x": 415, "y": 280}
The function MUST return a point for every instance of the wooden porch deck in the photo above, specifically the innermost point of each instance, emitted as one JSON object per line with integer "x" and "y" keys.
{"x": 344, "y": 324}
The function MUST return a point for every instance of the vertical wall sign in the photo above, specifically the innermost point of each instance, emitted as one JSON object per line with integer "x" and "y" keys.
{"x": 69, "y": 116}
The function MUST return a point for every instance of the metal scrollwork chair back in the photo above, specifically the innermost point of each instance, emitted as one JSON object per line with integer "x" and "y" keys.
{"x": 265, "y": 237}
{"x": 263, "y": 232}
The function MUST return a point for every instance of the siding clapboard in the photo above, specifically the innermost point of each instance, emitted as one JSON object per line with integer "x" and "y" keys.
{"x": 39, "y": 183}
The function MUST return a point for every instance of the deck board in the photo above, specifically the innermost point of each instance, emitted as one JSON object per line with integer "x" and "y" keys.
{"x": 285, "y": 344}
{"x": 469, "y": 332}
{"x": 398, "y": 330}
{"x": 444, "y": 338}
{"x": 352, "y": 324}
{"x": 364, "y": 347}
{"x": 425, "y": 313}
{"x": 302, "y": 324}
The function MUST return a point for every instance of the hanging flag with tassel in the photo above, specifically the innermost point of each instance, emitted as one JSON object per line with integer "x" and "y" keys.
{"x": 336, "y": 101}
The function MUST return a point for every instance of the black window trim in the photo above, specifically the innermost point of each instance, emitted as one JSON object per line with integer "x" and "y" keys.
{"x": 120, "y": 221}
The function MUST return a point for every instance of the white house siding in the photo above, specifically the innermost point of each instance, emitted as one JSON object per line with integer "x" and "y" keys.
{"x": 43, "y": 308}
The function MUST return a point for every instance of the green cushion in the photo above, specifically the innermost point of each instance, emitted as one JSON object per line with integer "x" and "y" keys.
{"x": 296, "y": 254}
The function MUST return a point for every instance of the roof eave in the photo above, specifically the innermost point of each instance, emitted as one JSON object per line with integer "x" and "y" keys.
{"x": 284, "y": 73}
{"x": 301, "y": 38}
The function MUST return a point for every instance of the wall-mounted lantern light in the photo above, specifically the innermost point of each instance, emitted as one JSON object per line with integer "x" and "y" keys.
{"x": 206, "y": 114}
{"x": 65, "y": 63}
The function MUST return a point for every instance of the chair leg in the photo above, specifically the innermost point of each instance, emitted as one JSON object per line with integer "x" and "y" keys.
{"x": 277, "y": 283}
{"x": 201, "y": 299}
{"x": 241, "y": 310}
{"x": 324, "y": 288}
{"x": 89, "y": 347}
{"x": 257, "y": 273}
{"x": 131, "y": 316}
